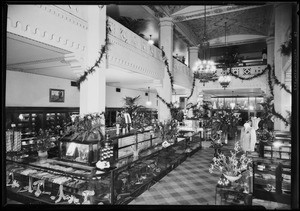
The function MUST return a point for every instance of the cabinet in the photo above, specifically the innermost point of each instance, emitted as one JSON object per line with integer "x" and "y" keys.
{"x": 272, "y": 180}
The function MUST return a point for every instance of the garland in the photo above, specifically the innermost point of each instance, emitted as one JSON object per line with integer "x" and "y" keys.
{"x": 103, "y": 50}
{"x": 252, "y": 77}
{"x": 273, "y": 111}
{"x": 270, "y": 83}
{"x": 277, "y": 82}
{"x": 168, "y": 70}
{"x": 286, "y": 47}
{"x": 169, "y": 105}
{"x": 193, "y": 86}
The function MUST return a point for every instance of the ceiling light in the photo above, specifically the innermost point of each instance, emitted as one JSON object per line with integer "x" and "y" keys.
{"x": 204, "y": 70}
{"x": 224, "y": 81}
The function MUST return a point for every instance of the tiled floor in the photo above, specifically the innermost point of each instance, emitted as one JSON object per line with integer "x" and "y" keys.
{"x": 191, "y": 184}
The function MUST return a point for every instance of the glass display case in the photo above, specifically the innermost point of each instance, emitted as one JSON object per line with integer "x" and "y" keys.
{"x": 272, "y": 180}
{"x": 73, "y": 179}
{"x": 83, "y": 152}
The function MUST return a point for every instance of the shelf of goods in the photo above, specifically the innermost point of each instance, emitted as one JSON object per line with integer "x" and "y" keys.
{"x": 74, "y": 178}
{"x": 272, "y": 179}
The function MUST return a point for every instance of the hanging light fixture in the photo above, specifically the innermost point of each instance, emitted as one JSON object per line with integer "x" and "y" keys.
{"x": 204, "y": 70}
{"x": 150, "y": 41}
{"x": 225, "y": 79}
{"x": 148, "y": 103}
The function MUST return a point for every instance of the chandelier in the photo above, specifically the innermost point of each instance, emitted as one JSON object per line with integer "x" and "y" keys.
{"x": 225, "y": 80}
{"x": 205, "y": 70}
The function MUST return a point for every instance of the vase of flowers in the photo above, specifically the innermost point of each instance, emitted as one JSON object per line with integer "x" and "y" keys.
{"x": 233, "y": 166}
{"x": 43, "y": 144}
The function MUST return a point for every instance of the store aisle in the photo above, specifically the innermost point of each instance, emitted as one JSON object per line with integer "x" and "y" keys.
{"x": 189, "y": 184}
{"x": 192, "y": 184}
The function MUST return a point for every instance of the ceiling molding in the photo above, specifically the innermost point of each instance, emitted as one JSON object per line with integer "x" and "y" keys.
{"x": 212, "y": 12}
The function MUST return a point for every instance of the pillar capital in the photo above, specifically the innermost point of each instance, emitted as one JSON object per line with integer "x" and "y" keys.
{"x": 193, "y": 49}
{"x": 166, "y": 21}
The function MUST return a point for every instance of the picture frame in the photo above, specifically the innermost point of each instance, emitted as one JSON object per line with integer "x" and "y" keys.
{"x": 57, "y": 95}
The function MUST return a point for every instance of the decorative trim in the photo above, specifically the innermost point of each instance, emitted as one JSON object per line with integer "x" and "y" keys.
{"x": 65, "y": 15}
{"x": 38, "y": 34}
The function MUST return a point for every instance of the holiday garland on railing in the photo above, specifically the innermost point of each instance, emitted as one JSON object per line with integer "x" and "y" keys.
{"x": 103, "y": 50}
{"x": 167, "y": 67}
{"x": 252, "y": 77}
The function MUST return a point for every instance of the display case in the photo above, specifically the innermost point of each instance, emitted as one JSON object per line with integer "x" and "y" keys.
{"x": 65, "y": 180}
{"x": 272, "y": 180}
{"x": 86, "y": 152}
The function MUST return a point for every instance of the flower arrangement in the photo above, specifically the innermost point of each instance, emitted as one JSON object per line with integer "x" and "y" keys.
{"x": 44, "y": 142}
{"x": 167, "y": 130}
{"x": 86, "y": 127}
{"x": 233, "y": 165}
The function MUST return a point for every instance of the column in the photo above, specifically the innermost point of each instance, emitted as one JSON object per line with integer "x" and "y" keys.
{"x": 165, "y": 91}
{"x": 193, "y": 56}
{"x": 283, "y": 24}
{"x": 93, "y": 89}
{"x": 270, "y": 50}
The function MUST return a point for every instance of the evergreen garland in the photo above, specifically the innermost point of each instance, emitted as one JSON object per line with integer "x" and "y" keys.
{"x": 193, "y": 86}
{"x": 103, "y": 50}
{"x": 169, "y": 105}
{"x": 252, "y": 77}
{"x": 286, "y": 47}
{"x": 283, "y": 86}
{"x": 270, "y": 83}
{"x": 168, "y": 70}
{"x": 273, "y": 111}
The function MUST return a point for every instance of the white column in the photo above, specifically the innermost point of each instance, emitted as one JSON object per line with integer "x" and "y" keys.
{"x": 193, "y": 56}
{"x": 93, "y": 89}
{"x": 283, "y": 23}
{"x": 270, "y": 50}
{"x": 166, "y": 40}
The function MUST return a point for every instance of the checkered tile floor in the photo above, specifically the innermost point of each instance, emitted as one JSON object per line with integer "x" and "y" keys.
{"x": 191, "y": 184}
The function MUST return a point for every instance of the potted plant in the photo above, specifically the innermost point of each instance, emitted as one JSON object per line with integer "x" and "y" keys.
{"x": 86, "y": 127}
{"x": 43, "y": 144}
{"x": 166, "y": 130}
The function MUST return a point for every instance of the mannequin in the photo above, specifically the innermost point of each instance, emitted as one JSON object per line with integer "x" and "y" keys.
{"x": 248, "y": 137}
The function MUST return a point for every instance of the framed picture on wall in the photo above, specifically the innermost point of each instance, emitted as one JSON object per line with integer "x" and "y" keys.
{"x": 57, "y": 95}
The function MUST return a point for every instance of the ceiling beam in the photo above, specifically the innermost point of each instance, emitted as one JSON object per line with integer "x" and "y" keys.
{"x": 212, "y": 12}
